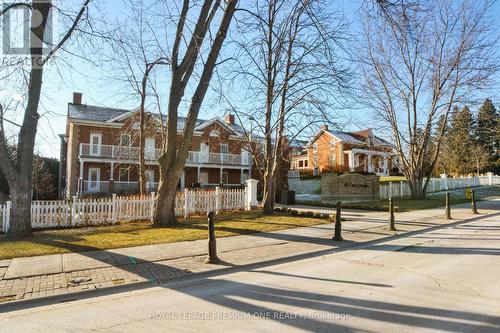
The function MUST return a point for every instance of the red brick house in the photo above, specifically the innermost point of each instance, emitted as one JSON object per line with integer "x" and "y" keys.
{"x": 100, "y": 151}
{"x": 340, "y": 151}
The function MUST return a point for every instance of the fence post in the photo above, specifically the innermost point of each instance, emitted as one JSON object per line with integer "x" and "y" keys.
{"x": 338, "y": 223}
{"x": 212, "y": 246}
{"x": 448, "y": 208}
{"x": 6, "y": 221}
{"x": 152, "y": 212}
{"x": 490, "y": 178}
{"x": 218, "y": 200}
{"x": 74, "y": 216}
{"x": 113, "y": 209}
{"x": 391, "y": 215}
{"x": 252, "y": 194}
{"x": 186, "y": 202}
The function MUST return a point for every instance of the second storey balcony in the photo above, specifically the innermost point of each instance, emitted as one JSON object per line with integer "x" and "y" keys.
{"x": 126, "y": 154}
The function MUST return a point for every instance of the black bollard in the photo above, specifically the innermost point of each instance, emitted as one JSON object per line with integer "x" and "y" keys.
{"x": 391, "y": 215}
{"x": 448, "y": 207}
{"x": 212, "y": 246}
{"x": 338, "y": 224}
{"x": 473, "y": 203}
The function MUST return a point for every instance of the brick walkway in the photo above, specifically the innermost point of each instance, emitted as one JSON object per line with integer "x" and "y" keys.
{"x": 265, "y": 248}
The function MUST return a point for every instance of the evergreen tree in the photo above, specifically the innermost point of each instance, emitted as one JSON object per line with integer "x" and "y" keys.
{"x": 461, "y": 140}
{"x": 487, "y": 133}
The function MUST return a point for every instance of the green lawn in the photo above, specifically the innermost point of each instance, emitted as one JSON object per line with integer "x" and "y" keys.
{"x": 142, "y": 233}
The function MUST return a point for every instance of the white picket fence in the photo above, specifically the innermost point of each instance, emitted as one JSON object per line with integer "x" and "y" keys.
{"x": 84, "y": 212}
{"x": 401, "y": 189}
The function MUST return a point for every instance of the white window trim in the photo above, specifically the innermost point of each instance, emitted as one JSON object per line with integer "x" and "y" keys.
{"x": 120, "y": 174}
{"x": 129, "y": 140}
{"x": 226, "y": 146}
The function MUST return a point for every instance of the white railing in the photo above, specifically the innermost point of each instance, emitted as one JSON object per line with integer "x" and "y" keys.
{"x": 122, "y": 153}
{"x": 125, "y": 187}
{"x": 98, "y": 211}
{"x": 95, "y": 187}
{"x": 401, "y": 189}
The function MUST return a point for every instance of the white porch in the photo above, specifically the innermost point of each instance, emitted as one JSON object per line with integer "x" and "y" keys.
{"x": 368, "y": 161}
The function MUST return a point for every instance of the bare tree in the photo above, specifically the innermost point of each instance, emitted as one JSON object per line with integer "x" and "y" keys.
{"x": 175, "y": 150}
{"x": 288, "y": 64}
{"x": 17, "y": 164}
{"x": 136, "y": 52}
{"x": 417, "y": 62}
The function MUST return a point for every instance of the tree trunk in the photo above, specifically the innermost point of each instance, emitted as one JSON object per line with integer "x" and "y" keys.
{"x": 416, "y": 187}
{"x": 269, "y": 193}
{"x": 20, "y": 213}
{"x": 142, "y": 176}
{"x": 164, "y": 214}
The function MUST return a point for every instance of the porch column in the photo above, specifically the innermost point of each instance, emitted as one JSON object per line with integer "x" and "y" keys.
{"x": 220, "y": 176}
{"x": 386, "y": 165}
{"x": 369, "y": 162}
{"x": 198, "y": 175}
{"x": 111, "y": 178}
{"x": 80, "y": 179}
{"x": 241, "y": 176}
{"x": 183, "y": 180}
{"x": 351, "y": 160}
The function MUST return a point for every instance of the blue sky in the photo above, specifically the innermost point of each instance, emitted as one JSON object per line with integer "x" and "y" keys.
{"x": 91, "y": 80}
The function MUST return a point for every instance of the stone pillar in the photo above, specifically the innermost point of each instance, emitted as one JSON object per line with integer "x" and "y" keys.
{"x": 252, "y": 194}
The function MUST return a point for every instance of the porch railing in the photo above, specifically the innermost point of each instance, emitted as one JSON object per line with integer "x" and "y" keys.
{"x": 123, "y": 153}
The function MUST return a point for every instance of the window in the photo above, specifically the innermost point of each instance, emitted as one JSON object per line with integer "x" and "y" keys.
{"x": 333, "y": 159}
{"x": 306, "y": 164}
{"x": 301, "y": 164}
{"x": 225, "y": 178}
{"x": 124, "y": 174}
{"x": 224, "y": 148}
{"x": 203, "y": 177}
{"x": 332, "y": 144}
{"x": 125, "y": 140}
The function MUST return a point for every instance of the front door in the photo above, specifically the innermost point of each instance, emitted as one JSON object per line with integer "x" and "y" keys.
{"x": 204, "y": 152}
{"x": 150, "y": 179}
{"x": 149, "y": 148}
{"x": 95, "y": 143}
{"x": 94, "y": 179}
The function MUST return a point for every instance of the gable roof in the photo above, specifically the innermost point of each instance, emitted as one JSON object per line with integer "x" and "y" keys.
{"x": 92, "y": 112}
{"x": 111, "y": 115}
{"x": 358, "y": 138}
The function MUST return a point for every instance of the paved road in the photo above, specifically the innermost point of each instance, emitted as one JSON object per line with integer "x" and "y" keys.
{"x": 443, "y": 280}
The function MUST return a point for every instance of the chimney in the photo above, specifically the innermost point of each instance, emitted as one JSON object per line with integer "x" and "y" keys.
{"x": 77, "y": 98}
{"x": 229, "y": 118}
{"x": 324, "y": 127}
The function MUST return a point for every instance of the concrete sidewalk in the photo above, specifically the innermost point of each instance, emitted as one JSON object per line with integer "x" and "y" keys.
{"x": 33, "y": 277}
